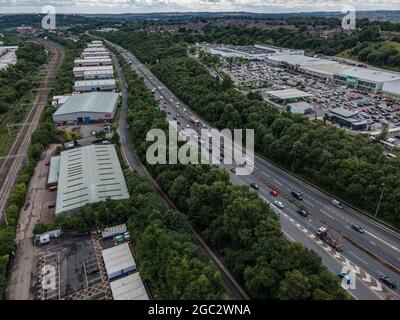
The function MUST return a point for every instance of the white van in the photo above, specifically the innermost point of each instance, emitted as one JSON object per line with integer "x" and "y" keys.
{"x": 337, "y": 203}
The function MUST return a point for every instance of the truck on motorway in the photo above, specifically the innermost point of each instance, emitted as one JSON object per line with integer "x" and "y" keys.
{"x": 324, "y": 235}
{"x": 195, "y": 120}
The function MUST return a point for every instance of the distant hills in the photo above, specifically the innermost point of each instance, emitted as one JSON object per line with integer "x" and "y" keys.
{"x": 373, "y": 15}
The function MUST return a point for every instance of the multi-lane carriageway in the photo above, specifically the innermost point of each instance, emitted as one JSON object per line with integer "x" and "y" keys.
{"x": 371, "y": 254}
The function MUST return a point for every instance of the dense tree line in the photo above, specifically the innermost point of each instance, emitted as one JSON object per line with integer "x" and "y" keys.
{"x": 44, "y": 134}
{"x": 368, "y": 36}
{"x": 17, "y": 80}
{"x": 350, "y": 167}
{"x": 234, "y": 221}
{"x": 168, "y": 258}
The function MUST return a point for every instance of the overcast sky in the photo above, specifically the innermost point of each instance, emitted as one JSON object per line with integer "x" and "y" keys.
{"x": 141, "y": 6}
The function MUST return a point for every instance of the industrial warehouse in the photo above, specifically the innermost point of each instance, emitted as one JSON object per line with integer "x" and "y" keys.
{"x": 94, "y": 99}
{"x": 94, "y": 85}
{"x": 87, "y": 175}
{"x": 87, "y": 108}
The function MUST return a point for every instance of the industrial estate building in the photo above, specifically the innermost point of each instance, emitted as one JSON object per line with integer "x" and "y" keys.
{"x": 129, "y": 288}
{"x": 87, "y": 108}
{"x": 94, "y": 85}
{"x": 118, "y": 261}
{"x": 94, "y": 99}
{"x": 87, "y": 175}
{"x": 93, "y": 62}
{"x": 79, "y": 72}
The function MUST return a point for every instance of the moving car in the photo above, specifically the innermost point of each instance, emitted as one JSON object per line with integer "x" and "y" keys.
{"x": 254, "y": 186}
{"x": 388, "y": 281}
{"x": 273, "y": 192}
{"x": 51, "y": 205}
{"x": 302, "y": 212}
{"x": 297, "y": 195}
{"x": 357, "y": 228}
{"x": 337, "y": 203}
{"x": 47, "y": 163}
{"x": 345, "y": 276}
{"x": 279, "y": 204}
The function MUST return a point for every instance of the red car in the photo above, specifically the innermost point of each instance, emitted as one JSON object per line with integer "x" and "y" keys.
{"x": 274, "y": 192}
{"x": 47, "y": 163}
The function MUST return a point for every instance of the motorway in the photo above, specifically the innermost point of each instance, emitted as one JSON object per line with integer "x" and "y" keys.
{"x": 321, "y": 211}
{"x": 134, "y": 163}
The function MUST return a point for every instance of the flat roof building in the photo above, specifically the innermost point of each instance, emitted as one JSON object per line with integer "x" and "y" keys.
{"x": 93, "y": 62}
{"x": 118, "y": 261}
{"x": 80, "y": 71}
{"x": 94, "y": 85}
{"x": 346, "y": 118}
{"x": 95, "y": 54}
{"x": 98, "y": 74}
{"x": 87, "y": 108}
{"x": 301, "y": 107}
{"x": 114, "y": 231}
{"x": 288, "y": 95}
{"x": 129, "y": 288}
{"x": 54, "y": 172}
{"x": 392, "y": 88}
{"x": 89, "y": 175}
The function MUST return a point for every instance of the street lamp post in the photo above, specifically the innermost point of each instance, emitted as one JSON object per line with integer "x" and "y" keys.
{"x": 380, "y": 199}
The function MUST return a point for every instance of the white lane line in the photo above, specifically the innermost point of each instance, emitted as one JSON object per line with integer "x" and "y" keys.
{"x": 309, "y": 203}
{"x": 374, "y": 244}
{"x": 327, "y": 214}
{"x": 357, "y": 257}
{"x": 383, "y": 241}
{"x": 277, "y": 182}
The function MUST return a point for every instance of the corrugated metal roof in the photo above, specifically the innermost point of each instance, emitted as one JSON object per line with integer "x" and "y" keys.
{"x": 289, "y": 94}
{"x": 343, "y": 112}
{"x": 129, "y": 288}
{"x": 118, "y": 258}
{"x": 89, "y": 83}
{"x": 392, "y": 87}
{"x": 89, "y": 175}
{"x": 94, "y": 68}
{"x": 103, "y": 102}
{"x": 54, "y": 170}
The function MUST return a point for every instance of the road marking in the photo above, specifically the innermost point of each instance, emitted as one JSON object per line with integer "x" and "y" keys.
{"x": 309, "y": 203}
{"x": 356, "y": 256}
{"x": 277, "y": 182}
{"x": 367, "y": 278}
{"x": 327, "y": 214}
{"x": 378, "y": 286}
{"x": 383, "y": 241}
{"x": 374, "y": 244}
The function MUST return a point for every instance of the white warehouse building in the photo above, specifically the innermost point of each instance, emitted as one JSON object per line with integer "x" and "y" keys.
{"x": 98, "y": 74}
{"x": 94, "y": 85}
{"x": 79, "y": 72}
{"x": 93, "y": 62}
{"x": 87, "y": 108}
{"x": 95, "y": 54}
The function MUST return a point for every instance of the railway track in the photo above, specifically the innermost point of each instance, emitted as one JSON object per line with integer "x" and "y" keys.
{"x": 17, "y": 155}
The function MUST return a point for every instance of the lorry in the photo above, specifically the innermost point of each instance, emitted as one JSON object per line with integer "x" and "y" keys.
{"x": 324, "y": 235}
{"x": 195, "y": 120}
